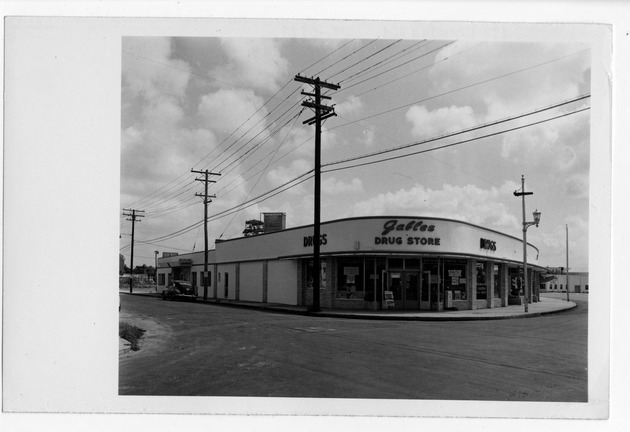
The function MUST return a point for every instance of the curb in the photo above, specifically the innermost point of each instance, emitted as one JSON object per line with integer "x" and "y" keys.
{"x": 324, "y": 314}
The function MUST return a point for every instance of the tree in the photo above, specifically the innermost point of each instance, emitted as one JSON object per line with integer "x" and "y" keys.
{"x": 145, "y": 269}
{"x": 121, "y": 264}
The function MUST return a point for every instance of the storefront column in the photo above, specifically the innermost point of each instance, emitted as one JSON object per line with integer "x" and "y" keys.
{"x": 489, "y": 283}
{"x": 214, "y": 281}
{"x": 264, "y": 281}
{"x": 237, "y": 284}
{"x": 504, "y": 276}
{"x": 471, "y": 283}
{"x": 536, "y": 286}
{"x": 331, "y": 285}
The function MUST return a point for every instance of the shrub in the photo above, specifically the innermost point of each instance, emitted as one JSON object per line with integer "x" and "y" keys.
{"x": 131, "y": 333}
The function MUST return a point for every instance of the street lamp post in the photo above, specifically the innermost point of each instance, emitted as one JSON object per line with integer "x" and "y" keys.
{"x": 525, "y": 226}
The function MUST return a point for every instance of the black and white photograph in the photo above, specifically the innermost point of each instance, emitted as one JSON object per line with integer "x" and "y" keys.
{"x": 331, "y": 218}
{"x": 427, "y": 152}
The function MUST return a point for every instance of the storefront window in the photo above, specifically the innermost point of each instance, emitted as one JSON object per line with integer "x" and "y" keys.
{"x": 396, "y": 263}
{"x": 482, "y": 281}
{"x": 308, "y": 274}
{"x": 516, "y": 282}
{"x": 412, "y": 264}
{"x": 455, "y": 278}
{"x": 497, "y": 281}
{"x": 350, "y": 278}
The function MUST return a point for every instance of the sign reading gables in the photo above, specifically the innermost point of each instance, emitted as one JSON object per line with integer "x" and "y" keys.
{"x": 409, "y": 227}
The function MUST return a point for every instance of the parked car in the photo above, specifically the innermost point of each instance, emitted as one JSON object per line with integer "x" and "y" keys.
{"x": 179, "y": 289}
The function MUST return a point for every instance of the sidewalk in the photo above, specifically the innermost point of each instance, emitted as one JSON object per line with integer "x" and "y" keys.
{"x": 545, "y": 306}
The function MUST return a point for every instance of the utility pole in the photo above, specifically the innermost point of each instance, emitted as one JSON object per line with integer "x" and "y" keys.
{"x": 156, "y": 271}
{"x": 206, "y": 200}
{"x": 525, "y": 226}
{"x": 567, "y": 231}
{"x": 133, "y": 220}
{"x": 322, "y": 112}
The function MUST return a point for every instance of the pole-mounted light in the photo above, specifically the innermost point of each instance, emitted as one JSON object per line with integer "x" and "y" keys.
{"x": 526, "y": 225}
{"x": 536, "y": 214}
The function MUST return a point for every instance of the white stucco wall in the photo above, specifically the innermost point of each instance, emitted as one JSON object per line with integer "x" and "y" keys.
{"x": 251, "y": 281}
{"x": 282, "y": 286}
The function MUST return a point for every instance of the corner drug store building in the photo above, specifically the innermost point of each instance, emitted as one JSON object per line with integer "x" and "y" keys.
{"x": 426, "y": 263}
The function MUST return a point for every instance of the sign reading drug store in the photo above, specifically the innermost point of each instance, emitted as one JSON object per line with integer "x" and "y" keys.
{"x": 411, "y": 232}
{"x": 408, "y": 234}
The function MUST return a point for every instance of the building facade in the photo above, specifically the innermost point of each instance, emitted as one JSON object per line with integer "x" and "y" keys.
{"x": 577, "y": 282}
{"x": 420, "y": 263}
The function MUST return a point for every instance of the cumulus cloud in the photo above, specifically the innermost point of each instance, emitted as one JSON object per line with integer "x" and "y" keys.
{"x": 283, "y": 174}
{"x": 333, "y": 186}
{"x": 427, "y": 123}
{"x": 256, "y": 63}
{"x": 560, "y": 147}
{"x": 528, "y": 75}
{"x": 226, "y": 110}
{"x": 149, "y": 71}
{"x": 351, "y": 106}
{"x": 468, "y": 203}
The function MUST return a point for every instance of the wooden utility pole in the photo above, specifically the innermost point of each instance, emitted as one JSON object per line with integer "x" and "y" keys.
{"x": 322, "y": 112}
{"x": 567, "y": 235}
{"x": 525, "y": 226}
{"x": 133, "y": 220}
{"x": 206, "y": 200}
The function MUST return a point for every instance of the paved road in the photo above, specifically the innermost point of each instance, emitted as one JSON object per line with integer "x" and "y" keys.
{"x": 212, "y": 350}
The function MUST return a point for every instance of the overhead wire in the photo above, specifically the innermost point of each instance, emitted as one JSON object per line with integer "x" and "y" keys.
{"x": 466, "y": 130}
{"x": 387, "y": 60}
{"x": 327, "y": 55}
{"x": 263, "y": 171}
{"x": 459, "y": 89}
{"x": 307, "y": 175}
{"x": 363, "y": 59}
{"x": 182, "y": 189}
{"x": 347, "y": 56}
{"x": 454, "y": 144}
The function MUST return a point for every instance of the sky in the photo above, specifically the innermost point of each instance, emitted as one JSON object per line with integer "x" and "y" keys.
{"x": 232, "y": 106}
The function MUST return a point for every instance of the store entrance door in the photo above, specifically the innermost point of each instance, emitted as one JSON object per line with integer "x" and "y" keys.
{"x": 405, "y": 287}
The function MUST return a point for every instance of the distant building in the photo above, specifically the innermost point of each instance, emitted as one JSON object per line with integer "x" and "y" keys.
{"x": 578, "y": 283}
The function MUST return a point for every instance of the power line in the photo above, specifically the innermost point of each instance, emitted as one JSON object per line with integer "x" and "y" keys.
{"x": 307, "y": 175}
{"x": 467, "y": 130}
{"x": 456, "y": 143}
{"x": 435, "y": 63}
{"x": 401, "y": 65}
{"x": 163, "y": 198}
{"x": 262, "y": 172}
{"x": 347, "y": 56}
{"x": 366, "y": 58}
{"x": 459, "y": 89}
{"x": 384, "y": 62}
{"x": 328, "y": 55}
